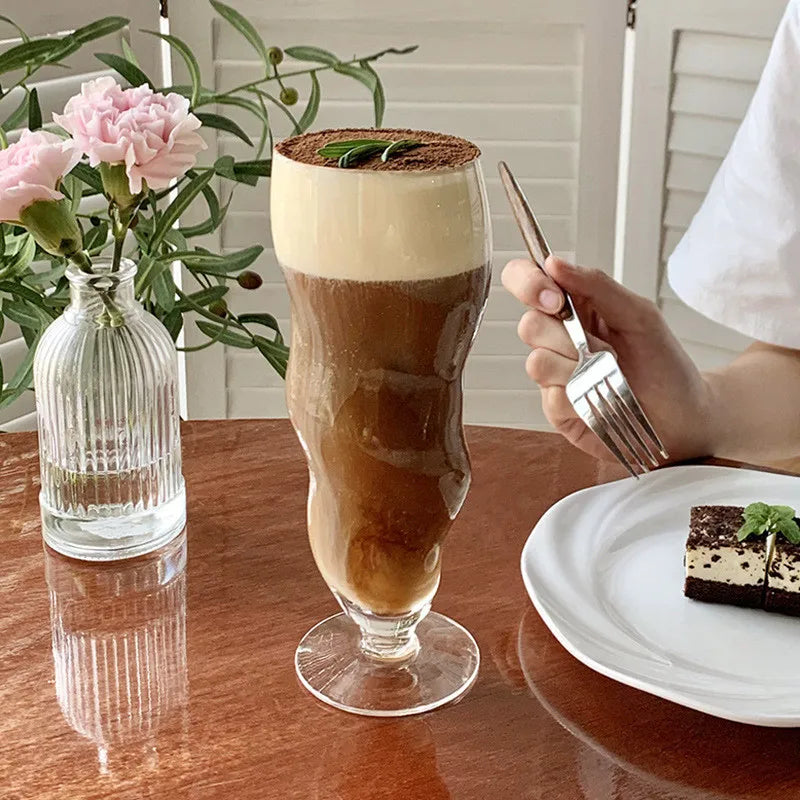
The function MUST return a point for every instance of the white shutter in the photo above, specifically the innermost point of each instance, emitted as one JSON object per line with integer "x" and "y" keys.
{"x": 537, "y": 84}
{"x": 55, "y": 86}
{"x": 696, "y": 68}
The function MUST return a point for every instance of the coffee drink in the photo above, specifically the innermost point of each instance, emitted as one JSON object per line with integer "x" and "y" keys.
{"x": 387, "y": 267}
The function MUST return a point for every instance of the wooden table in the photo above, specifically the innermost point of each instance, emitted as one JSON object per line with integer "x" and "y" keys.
{"x": 215, "y": 710}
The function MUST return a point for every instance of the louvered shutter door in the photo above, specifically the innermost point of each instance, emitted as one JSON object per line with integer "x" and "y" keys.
{"x": 55, "y": 86}
{"x": 537, "y": 84}
{"x": 696, "y": 68}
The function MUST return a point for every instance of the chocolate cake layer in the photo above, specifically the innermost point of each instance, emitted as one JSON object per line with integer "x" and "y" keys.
{"x": 782, "y": 602}
{"x": 749, "y": 596}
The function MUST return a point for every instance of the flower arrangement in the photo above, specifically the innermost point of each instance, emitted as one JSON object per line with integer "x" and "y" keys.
{"x": 130, "y": 154}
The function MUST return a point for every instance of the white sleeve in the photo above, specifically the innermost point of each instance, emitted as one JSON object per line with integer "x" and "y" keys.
{"x": 739, "y": 261}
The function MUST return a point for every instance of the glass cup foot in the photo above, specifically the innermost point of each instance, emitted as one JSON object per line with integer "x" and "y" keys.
{"x": 332, "y": 666}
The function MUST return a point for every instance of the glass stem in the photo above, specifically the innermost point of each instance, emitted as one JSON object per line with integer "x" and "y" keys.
{"x": 386, "y": 638}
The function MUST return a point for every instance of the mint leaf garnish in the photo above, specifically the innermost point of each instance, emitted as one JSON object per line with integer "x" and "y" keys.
{"x": 760, "y": 519}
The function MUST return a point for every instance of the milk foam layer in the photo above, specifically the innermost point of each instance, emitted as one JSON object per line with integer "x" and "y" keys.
{"x": 378, "y": 226}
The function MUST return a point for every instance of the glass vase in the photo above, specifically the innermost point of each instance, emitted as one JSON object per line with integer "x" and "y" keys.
{"x": 106, "y": 382}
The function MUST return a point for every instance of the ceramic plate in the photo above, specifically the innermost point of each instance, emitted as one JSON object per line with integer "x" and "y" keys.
{"x": 604, "y": 568}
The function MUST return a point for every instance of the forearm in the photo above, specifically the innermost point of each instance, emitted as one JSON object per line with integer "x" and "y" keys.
{"x": 755, "y": 405}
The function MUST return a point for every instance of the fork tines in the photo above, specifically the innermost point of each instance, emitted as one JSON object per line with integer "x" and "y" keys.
{"x": 610, "y": 409}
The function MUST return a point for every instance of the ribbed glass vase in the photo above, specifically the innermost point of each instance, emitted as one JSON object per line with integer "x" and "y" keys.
{"x": 106, "y": 382}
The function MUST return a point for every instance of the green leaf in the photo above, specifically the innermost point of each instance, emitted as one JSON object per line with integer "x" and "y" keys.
{"x": 359, "y": 154}
{"x": 25, "y": 38}
{"x": 48, "y": 278}
{"x": 202, "y": 298}
{"x": 34, "y": 111}
{"x": 224, "y": 166}
{"x": 89, "y": 175}
{"x": 304, "y": 53}
{"x": 127, "y": 51}
{"x": 261, "y": 319}
{"x": 245, "y": 27}
{"x": 99, "y": 28}
{"x": 367, "y": 75}
{"x": 173, "y": 322}
{"x": 222, "y": 124}
{"x": 749, "y": 529}
{"x": 148, "y": 268}
{"x": 174, "y": 210}
{"x": 96, "y": 237}
{"x": 215, "y": 218}
{"x": 398, "y": 147}
{"x": 310, "y": 114}
{"x": 757, "y": 512}
{"x": 21, "y": 260}
{"x": 187, "y": 55}
{"x": 127, "y": 69}
{"x": 17, "y": 116}
{"x": 23, "y": 376}
{"x": 783, "y": 512}
{"x": 164, "y": 289}
{"x": 21, "y": 312}
{"x": 27, "y": 54}
{"x": 338, "y": 149}
{"x": 217, "y": 331}
{"x": 261, "y": 167}
{"x": 789, "y": 529}
{"x": 214, "y": 264}
{"x": 276, "y": 355}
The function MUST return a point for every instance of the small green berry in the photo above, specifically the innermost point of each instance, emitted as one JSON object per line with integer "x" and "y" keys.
{"x": 289, "y": 96}
{"x": 219, "y": 308}
{"x": 249, "y": 279}
{"x": 275, "y": 55}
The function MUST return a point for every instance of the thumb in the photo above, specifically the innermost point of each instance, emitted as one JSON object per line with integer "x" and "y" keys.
{"x": 621, "y": 309}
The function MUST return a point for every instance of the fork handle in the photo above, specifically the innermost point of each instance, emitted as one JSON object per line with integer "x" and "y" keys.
{"x": 539, "y": 250}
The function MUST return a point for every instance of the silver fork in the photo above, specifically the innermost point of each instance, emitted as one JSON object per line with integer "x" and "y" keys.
{"x": 597, "y": 389}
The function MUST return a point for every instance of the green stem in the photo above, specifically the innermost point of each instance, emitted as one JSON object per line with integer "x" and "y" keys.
{"x": 283, "y": 76}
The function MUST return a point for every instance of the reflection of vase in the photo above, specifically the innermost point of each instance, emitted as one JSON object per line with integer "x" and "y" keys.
{"x": 119, "y": 649}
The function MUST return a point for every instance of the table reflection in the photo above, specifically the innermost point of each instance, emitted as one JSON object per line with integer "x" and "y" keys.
{"x": 610, "y": 766}
{"x": 119, "y": 652}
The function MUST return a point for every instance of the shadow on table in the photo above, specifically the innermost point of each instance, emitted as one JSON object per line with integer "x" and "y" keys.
{"x": 119, "y": 653}
{"x": 636, "y": 745}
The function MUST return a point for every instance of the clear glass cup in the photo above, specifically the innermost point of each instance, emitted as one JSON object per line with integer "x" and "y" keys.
{"x": 119, "y": 654}
{"x": 388, "y": 274}
{"x": 106, "y": 381}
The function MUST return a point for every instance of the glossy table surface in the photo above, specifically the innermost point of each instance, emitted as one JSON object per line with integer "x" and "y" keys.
{"x": 151, "y": 679}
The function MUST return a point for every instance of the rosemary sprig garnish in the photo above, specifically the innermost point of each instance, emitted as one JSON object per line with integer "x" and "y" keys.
{"x": 354, "y": 151}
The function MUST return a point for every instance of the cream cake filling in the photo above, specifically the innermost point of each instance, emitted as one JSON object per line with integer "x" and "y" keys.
{"x": 365, "y": 225}
{"x": 725, "y": 565}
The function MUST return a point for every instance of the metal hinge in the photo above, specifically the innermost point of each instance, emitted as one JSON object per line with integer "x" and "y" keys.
{"x": 631, "y": 14}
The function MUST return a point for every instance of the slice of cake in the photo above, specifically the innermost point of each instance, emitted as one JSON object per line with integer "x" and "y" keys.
{"x": 719, "y": 567}
{"x": 783, "y": 578}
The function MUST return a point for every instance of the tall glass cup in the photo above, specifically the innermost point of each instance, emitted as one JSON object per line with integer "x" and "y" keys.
{"x": 388, "y": 270}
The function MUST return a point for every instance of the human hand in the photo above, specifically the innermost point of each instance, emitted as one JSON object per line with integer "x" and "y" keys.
{"x": 670, "y": 388}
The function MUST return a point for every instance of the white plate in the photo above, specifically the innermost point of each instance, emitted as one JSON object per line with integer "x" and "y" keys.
{"x": 604, "y": 568}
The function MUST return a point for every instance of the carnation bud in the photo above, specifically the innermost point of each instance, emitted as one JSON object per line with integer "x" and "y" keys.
{"x": 289, "y": 96}
{"x": 219, "y": 308}
{"x": 54, "y": 227}
{"x": 249, "y": 279}
{"x": 275, "y": 55}
{"x": 117, "y": 186}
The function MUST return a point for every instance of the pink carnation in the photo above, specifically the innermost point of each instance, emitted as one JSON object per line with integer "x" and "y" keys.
{"x": 32, "y": 169}
{"x": 153, "y": 134}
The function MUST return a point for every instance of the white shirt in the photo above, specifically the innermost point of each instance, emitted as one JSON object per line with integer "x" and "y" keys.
{"x": 739, "y": 261}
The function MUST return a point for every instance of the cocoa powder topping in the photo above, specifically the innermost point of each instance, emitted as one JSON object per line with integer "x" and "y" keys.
{"x": 437, "y": 151}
